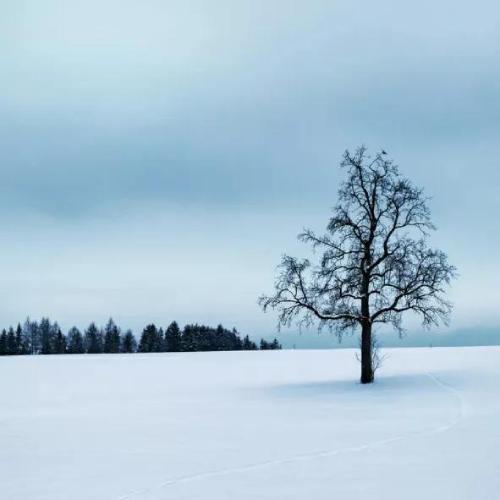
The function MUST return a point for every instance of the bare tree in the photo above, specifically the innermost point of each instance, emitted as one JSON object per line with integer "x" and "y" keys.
{"x": 375, "y": 264}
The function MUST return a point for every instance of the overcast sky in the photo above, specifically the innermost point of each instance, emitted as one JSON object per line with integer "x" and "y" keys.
{"x": 158, "y": 157}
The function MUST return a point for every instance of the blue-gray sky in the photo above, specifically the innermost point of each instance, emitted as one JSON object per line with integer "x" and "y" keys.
{"x": 157, "y": 157}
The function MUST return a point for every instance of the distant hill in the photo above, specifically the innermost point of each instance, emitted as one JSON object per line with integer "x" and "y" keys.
{"x": 474, "y": 336}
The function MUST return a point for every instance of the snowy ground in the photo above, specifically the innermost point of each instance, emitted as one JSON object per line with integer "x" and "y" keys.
{"x": 251, "y": 425}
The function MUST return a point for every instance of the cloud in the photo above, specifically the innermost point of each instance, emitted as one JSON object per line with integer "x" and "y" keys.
{"x": 238, "y": 109}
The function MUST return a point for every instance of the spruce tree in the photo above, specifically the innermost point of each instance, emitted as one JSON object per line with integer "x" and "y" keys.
{"x": 57, "y": 342}
{"x": 31, "y": 333}
{"x": 129, "y": 344}
{"x": 275, "y": 344}
{"x": 160, "y": 341}
{"x": 20, "y": 340}
{"x": 173, "y": 338}
{"x": 269, "y": 346}
{"x": 220, "y": 342}
{"x": 46, "y": 336}
{"x": 3, "y": 343}
{"x": 150, "y": 340}
{"x": 75, "y": 342}
{"x": 248, "y": 345}
{"x": 11, "y": 342}
{"x": 93, "y": 340}
{"x": 188, "y": 339}
{"x": 111, "y": 337}
{"x": 144, "y": 341}
{"x": 237, "y": 342}
{"x": 60, "y": 343}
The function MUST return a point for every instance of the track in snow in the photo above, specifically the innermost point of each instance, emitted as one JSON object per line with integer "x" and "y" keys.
{"x": 460, "y": 415}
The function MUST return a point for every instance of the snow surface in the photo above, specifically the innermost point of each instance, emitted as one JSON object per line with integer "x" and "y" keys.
{"x": 251, "y": 425}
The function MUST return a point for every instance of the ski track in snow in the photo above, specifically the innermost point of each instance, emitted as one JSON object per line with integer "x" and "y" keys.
{"x": 461, "y": 413}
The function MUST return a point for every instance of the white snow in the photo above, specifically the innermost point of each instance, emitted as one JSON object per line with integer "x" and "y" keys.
{"x": 251, "y": 425}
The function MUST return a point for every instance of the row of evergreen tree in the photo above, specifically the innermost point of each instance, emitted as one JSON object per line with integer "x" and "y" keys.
{"x": 45, "y": 337}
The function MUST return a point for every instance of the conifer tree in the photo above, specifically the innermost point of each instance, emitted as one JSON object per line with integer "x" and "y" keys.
{"x": 129, "y": 344}
{"x": 75, "y": 342}
{"x": 221, "y": 341}
{"x": 57, "y": 339}
{"x": 237, "y": 342}
{"x": 150, "y": 341}
{"x": 268, "y": 346}
{"x": 188, "y": 339}
{"x": 111, "y": 337}
{"x": 31, "y": 333}
{"x": 11, "y": 342}
{"x": 160, "y": 342}
{"x": 144, "y": 341}
{"x": 60, "y": 343}
{"x": 173, "y": 338}
{"x": 275, "y": 344}
{"x": 156, "y": 339}
{"x": 20, "y": 340}
{"x": 3, "y": 343}
{"x": 46, "y": 336}
{"x": 93, "y": 340}
{"x": 249, "y": 345}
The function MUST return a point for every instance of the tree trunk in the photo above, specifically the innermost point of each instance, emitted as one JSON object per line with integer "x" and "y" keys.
{"x": 367, "y": 374}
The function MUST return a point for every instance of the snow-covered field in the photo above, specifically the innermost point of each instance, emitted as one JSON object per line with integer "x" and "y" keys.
{"x": 251, "y": 425}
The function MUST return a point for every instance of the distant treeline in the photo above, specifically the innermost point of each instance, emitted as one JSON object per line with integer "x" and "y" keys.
{"x": 45, "y": 337}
